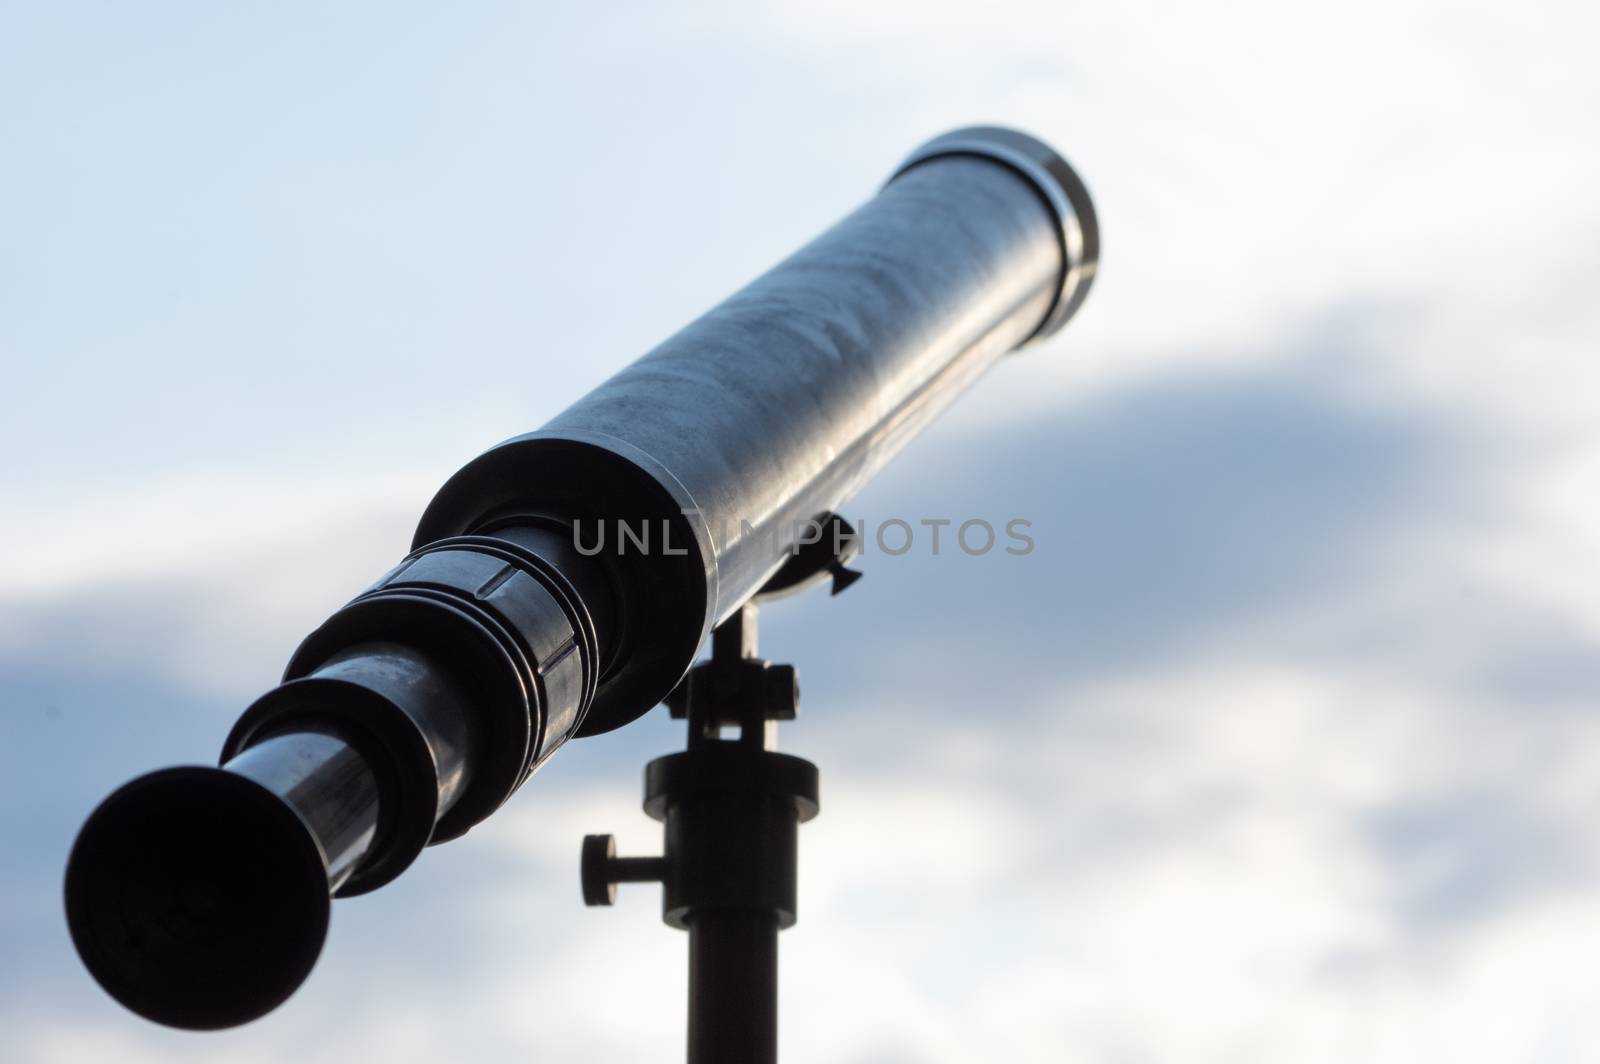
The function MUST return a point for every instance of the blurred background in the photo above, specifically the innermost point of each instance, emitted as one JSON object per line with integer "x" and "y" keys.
{"x": 1282, "y": 744}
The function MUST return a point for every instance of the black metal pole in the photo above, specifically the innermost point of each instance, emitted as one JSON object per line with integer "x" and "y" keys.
{"x": 733, "y": 987}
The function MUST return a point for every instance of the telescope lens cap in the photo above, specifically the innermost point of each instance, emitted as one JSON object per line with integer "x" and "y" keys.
{"x": 197, "y": 898}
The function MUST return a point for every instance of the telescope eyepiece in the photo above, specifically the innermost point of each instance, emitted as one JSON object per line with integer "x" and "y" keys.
{"x": 197, "y": 897}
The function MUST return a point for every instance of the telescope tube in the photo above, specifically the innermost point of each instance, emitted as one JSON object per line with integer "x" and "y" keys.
{"x": 560, "y": 584}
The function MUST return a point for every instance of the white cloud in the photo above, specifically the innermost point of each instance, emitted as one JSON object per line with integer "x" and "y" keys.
{"x": 211, "y": 570}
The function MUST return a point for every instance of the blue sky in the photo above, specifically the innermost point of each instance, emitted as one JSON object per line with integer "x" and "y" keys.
{"x": 1280, "y": 746}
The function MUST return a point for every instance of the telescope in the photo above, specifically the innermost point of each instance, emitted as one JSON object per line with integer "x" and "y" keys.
{"x": 561, "y": 584}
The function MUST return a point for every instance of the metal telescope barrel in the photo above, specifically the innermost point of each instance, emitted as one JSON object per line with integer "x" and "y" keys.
{"x": 561, "y": 583}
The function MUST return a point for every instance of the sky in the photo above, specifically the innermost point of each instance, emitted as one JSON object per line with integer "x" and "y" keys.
{"x": 1281, "y": 744}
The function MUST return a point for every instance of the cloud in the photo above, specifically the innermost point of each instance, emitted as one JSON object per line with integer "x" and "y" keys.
{"x": 1168, "y": 517}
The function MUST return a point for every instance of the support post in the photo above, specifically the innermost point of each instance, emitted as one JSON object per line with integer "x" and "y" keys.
{"x": 730, "y": 810}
